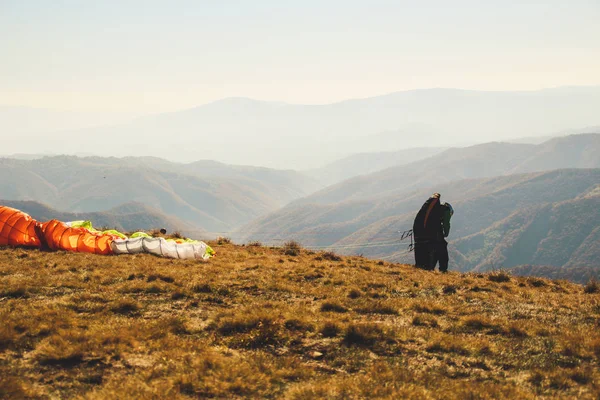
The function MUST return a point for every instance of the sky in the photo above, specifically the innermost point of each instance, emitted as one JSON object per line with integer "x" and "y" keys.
{"x": 151, "y": 56}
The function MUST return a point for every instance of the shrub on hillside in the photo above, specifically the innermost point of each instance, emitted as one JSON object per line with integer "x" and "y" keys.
{"x": 499, "y": 276}
{"x": 425, "y": 320}
{"x": 291, "y": 248}
{"x": 125, "y": 306}
{"x": 536, "y": 282}
{"x": 331, "y": 256}
{"x": 363, "y": 334}
{"x": 331, "y": 306}
{"x": 330, "y": 329}
{"x": 223, "y": 240}
{"x": 449, "y": 289}
{"x": 430, "y": 308}
{"x": 592, "y": 286}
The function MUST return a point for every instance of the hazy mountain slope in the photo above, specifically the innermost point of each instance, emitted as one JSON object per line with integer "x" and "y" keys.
{"x": 488, "y": 159}
{"x": 554, "y": 234}
{"x": 366, "y": 163}
{"x": 496, "y": 199}
{"x": 574, "y": 151}
{"x": 94, "y": 184}
{"x": 485, "y": 160}
{"x": 587, "y": 253}
{"x": 290, "y": 183}
{"x": 245, "y": 131}
{"x": 127, "y": 217}
{"x": 281, "y": 185}
{"x": 479, "y": 203}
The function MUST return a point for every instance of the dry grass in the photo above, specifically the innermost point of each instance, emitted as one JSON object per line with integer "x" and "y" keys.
{"x": 287, "y": 323}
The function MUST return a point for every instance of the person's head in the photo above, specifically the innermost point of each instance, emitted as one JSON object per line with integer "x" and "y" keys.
{"x": 436, "y": 195}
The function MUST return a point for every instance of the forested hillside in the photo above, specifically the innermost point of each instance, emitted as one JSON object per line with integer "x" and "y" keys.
{"x": 563, "y": 234}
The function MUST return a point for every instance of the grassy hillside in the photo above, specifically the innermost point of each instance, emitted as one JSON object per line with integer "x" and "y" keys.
{"x": 371, "y": 227}
{"x": 128, "y": 217}
{"x": 287, "y": 323}
{"x": 215, "y": 198}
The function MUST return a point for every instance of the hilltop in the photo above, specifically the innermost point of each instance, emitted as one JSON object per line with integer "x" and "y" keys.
{"x": 259, "y": 322}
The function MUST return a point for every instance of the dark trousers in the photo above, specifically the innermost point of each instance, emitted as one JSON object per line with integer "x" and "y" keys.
{"x": 424, "y": 254}
{"x": 429, "y": 252}
{"x": 441, "y": 255}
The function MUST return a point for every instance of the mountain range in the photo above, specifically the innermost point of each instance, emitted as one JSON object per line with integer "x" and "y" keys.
{"x": 246, "y": 131}
{"x": 368, "y": 162}
{"x": 212, "y": 196}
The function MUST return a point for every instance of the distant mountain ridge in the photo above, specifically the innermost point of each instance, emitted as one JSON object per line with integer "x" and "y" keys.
{"x": 366, "y": 163}
{"x": 245, "y": 131}
{"x": 484, "y": 160}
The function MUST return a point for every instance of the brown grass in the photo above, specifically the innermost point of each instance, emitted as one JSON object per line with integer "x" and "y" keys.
{"x": 256, "y": 323}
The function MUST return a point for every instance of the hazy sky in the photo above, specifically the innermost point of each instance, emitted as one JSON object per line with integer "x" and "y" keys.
{"x": 149, "y": 56}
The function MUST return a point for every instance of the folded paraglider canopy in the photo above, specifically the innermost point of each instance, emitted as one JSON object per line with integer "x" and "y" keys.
{"x": 19, "y": 229}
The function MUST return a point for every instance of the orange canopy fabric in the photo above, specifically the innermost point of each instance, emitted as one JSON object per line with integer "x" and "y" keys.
{"x": 59, "y": 236}
{"x": 19, "y": 229}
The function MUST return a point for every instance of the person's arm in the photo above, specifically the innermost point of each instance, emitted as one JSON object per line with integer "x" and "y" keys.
{"x": 446, "y": 222}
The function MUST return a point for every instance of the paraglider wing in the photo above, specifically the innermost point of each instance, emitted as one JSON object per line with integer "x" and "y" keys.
{"x": 19, "y": 229}
{"x": 162, "y": 247}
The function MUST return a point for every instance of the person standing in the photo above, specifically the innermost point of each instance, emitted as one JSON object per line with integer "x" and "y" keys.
{"x": 430, "y": 228}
